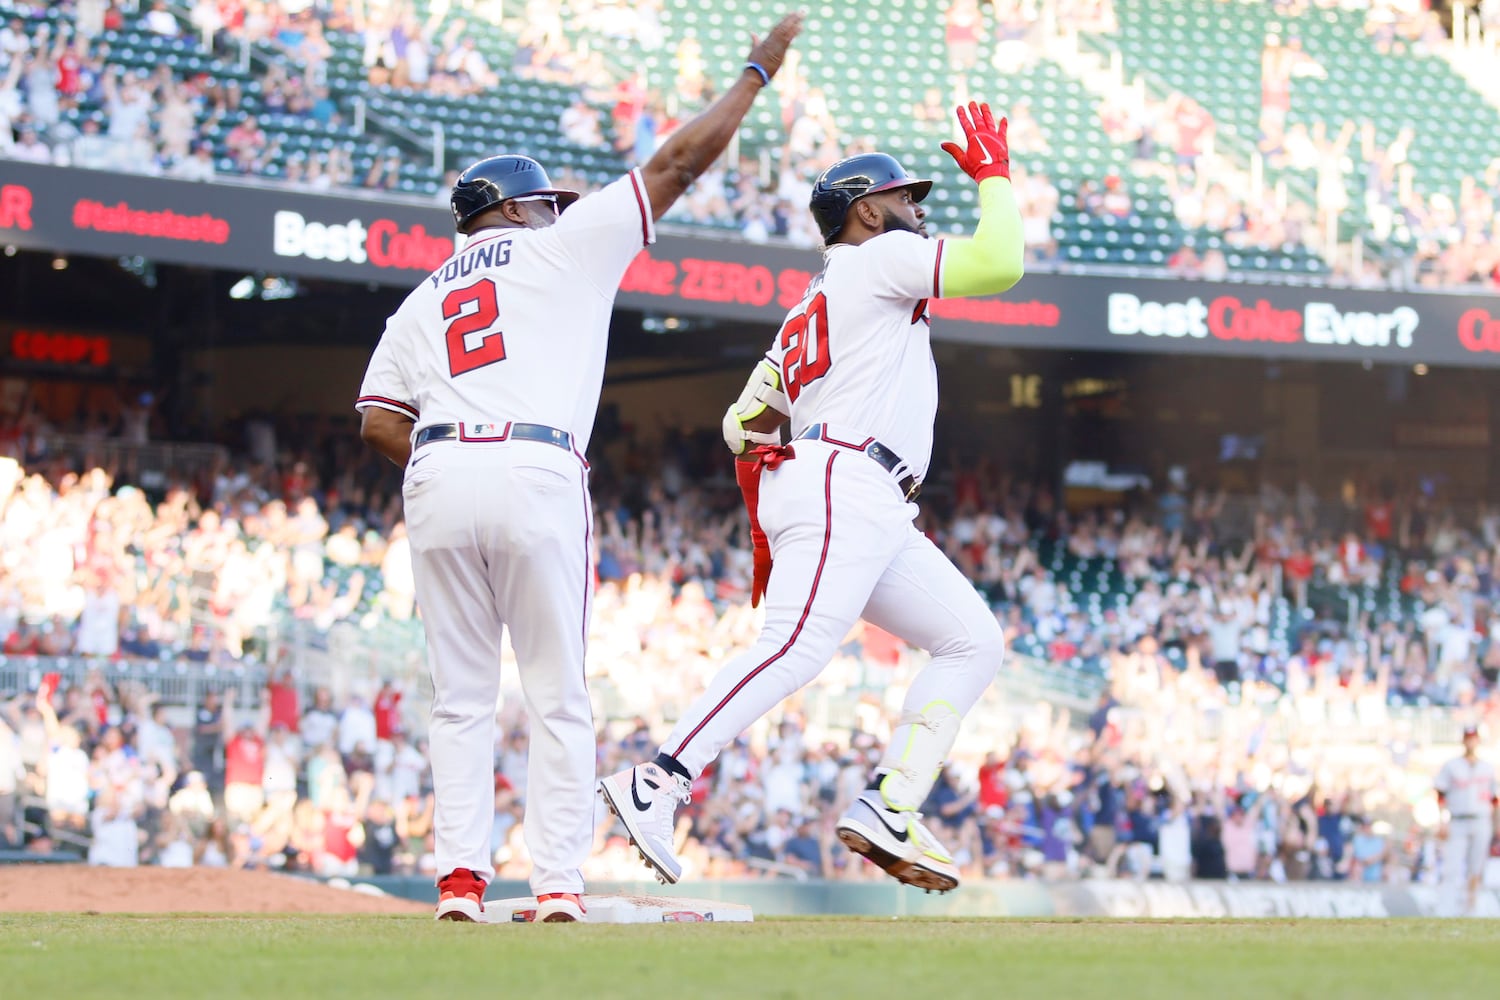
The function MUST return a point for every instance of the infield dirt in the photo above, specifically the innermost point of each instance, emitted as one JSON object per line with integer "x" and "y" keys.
{"x": 81, "y": 889}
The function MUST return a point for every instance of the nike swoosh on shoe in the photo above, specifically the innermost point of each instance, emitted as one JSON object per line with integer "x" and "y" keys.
{"x": 900, "y": 834}
{"x": 636, "y": 796}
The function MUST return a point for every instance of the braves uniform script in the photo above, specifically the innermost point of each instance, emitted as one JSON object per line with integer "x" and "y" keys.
{"x": 481, "y": 339}
{"x": 511, "y": 331}
{"x": 855, "y": 359}
{"x": 484, "y": 388}
{"x": 851, "y": 371}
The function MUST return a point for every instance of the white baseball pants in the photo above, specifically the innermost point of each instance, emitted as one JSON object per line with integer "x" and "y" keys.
{"x": 844, "y": 549}
{"x": 1464, "y": 857}
{"x": 499, "y": 536}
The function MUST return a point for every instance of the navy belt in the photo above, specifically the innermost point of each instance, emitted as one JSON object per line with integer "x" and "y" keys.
{"x": 490, "y": 433}
{"x": 887, "y": 459}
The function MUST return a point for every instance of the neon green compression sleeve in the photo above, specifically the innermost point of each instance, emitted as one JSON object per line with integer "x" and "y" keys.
{"x": 992, "y": 260}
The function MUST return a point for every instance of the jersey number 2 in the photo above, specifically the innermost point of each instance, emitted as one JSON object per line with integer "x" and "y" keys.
{"x": 471, "y": 312}
{"x": 804, "y": 343}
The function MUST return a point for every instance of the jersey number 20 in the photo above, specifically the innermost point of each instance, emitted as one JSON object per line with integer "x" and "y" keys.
{"x": 471, "y": 342}
{"x": 804, "y": 345}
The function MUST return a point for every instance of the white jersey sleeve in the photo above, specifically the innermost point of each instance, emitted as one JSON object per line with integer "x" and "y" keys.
{"x": 603, "y": 232}
{"x": 386, "y": 385}
{"x": 902, "y": 265}
{"x": 1444, "y": 780}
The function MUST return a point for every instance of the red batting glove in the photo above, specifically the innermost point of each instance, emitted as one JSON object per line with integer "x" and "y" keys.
{"x": 747, "y": 474}
{"x": 988, "y": 153}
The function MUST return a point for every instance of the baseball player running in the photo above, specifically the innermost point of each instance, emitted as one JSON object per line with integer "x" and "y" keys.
{"x": 1468, "y": 796}
{"x": 852, "y": 370}
{"x": 484, "y": 388}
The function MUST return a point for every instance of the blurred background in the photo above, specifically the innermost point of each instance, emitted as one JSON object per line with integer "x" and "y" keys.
{"x": 1223, "y": 464}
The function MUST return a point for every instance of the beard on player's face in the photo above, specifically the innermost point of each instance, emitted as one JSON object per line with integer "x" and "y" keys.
{"x": 895, "y": 222}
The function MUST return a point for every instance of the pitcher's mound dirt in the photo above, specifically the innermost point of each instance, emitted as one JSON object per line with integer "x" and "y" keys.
{"x": 80, "y": 889}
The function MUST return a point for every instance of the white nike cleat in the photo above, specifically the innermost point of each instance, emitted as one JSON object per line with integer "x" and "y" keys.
{"x": 898, "y": 843}
{"x": 646, "y": 798}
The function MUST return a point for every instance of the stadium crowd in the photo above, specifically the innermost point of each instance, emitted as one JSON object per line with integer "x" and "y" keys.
{"x": 1223, "y": 672}
{"x": 344, "y": 789}
{"x": 168, "y": 121}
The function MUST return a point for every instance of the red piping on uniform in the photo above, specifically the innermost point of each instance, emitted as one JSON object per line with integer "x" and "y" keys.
{"x": 640, "y": 201}
{"x": 806, "y": 610}
{"x": 588, "y": 557}
{"x": 404, "y": 407}
{"x": 845, "y": 444}
{"x": 476, "y": 243}
{"x": 937, "y": 274}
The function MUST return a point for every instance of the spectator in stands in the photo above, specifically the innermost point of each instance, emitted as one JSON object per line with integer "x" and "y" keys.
{"x": 12, "y": 778}
{"x": 245, "y": 761}
{"x": 1214, "y": 265}
{"x": 384, "y": 174}
{"x": 207, "y": 18}
{"x": 127, "y": 103}
{"x": 161, "y": 21}
{"x": 378, "y": 840}
{"x": 1368, "y": 852}
{"x": 962, "y": 29}
{"x": 30, "y": 149}
{"x": 690, "y": 83}
{"x": 116, "y": 836}
{"x": 1025, "y": 133}
{"x": 246, "y": 142}
{"x": 1039, "y": 198}
{"x": 320, "y": 723}
{"x": 357, "y": 727}
{"x": 579, "y": 125}
{"x": 67, "y": 770}
{"x": 14, "y": 42}
{"x": 197, "y": 167}
{"x": 91, "y": 149}
{"x": 208, "y": 740}
{"x": 12, "y": 110}
{"x": 933, "y": 108}
{"x": 99, "y": 620}
{"x": 1013, "y": 24}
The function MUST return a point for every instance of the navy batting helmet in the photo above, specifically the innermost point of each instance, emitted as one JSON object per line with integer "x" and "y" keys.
{"x": 500, "y": 178}
{"x": 849, "y": 180}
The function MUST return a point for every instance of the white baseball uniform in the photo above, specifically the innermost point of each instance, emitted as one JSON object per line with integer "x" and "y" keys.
{"x": 511, "y": 330}
{"x": 855, "y": 357}
{"x": 1469, "y": 793}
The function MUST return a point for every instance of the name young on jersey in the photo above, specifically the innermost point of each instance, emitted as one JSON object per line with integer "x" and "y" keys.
{"x": 462, "y": 265}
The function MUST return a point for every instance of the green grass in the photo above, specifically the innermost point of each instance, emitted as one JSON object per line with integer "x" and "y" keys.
{"x": 45, "y": 957}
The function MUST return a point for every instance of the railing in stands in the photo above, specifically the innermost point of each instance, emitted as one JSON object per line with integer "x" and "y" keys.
{"x": 146, "y": 464}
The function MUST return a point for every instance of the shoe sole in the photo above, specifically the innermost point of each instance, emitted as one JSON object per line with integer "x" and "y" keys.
{"x": 559, "y": 913}
{"x": 903, "y": 870}
{"x": 464, "y": 911}
{"x": 663, "y": 876}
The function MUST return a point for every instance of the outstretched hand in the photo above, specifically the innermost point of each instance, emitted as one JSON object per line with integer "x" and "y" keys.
{"x": 768, "y": 53}
{"x": 988, "y": 152}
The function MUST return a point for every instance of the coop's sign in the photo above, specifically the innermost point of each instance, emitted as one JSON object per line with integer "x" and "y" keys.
{"x": 344, "y": 237}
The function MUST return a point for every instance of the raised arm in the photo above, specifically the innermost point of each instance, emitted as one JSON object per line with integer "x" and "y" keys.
{"x": 690, "y": 150}
{"x": 49, "y": 715}
{"x": 992, "y": 260}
